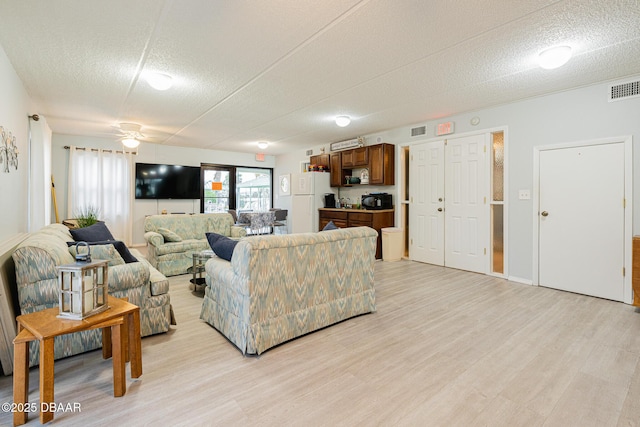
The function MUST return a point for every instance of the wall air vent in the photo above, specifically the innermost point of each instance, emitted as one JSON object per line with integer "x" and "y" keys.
{"x": 624, "y": 90}
{"x": 309, "y": 152}
{"x": 420, "y": 130}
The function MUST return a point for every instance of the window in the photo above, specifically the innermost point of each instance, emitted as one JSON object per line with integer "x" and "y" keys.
{"x": 235, "y": 187}
{"x": 217, "y": 182}
{"x": 253, "y": 189}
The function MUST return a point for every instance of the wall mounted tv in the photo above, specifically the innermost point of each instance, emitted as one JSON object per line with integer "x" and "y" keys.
{"x": 167, "y": 181}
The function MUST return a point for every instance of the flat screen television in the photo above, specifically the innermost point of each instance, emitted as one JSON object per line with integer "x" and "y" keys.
{"x": 155, "y": 181}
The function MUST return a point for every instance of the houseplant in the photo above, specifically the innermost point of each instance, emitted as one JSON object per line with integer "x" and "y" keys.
{"x": 86, "y": 216}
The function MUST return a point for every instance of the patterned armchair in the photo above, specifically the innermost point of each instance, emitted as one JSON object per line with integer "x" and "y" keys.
{"x": 279, "y": 287}
{"x": 172, "y": 239}
{"x": 35, "y": 262}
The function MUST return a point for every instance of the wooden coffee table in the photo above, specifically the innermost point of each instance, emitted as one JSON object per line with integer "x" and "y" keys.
{"x": 120, "y": 325}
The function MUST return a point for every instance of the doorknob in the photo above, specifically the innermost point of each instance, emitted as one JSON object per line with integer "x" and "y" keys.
{"x": 544, "y": 213}
{"x": 439, "y": 209}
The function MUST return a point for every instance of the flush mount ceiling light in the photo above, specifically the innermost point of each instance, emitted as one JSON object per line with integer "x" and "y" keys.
{"x": 554, "y": 57}
{"x": 159, "y": 81}
{"x": 263, "y": 145}
{"x": 343, "y": 121}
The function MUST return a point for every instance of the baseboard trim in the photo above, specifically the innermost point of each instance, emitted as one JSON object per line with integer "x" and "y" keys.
{"x": 520, "y": 280}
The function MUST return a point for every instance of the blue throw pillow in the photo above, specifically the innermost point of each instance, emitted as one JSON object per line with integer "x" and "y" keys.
{"x": 212, "y": 238}
{"x": 330, "y": 226}
{"x": 93, "y": 233}
{"x": 120, "y": 247}
{"x": 224, "y": 248}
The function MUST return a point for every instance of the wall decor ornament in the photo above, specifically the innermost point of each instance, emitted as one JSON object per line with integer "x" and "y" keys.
{"x": 8, "y": 150}
{"x": 285, "y": 184}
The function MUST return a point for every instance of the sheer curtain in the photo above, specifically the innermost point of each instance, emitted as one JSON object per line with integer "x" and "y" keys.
{"x": 39, "y": 207}
{"x": 102, "y": 180}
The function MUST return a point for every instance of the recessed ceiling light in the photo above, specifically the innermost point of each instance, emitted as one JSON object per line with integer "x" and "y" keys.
{"x": 159, "y": 81}
{"x": 554, "y": 57}
{"x": 263, "y": 145}
{"x": 343, "y": 121}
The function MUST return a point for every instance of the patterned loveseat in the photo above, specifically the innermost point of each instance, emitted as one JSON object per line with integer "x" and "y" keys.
{"x": 172, "y": 239}
{"x": 280, "y": 287}
{"x": 35, "y": 262}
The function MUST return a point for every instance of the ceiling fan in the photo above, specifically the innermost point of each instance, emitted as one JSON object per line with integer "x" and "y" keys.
{"x": 131, "y": 135}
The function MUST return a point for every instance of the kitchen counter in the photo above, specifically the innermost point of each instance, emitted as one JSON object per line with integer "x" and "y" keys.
{"x": 342, "y": 218}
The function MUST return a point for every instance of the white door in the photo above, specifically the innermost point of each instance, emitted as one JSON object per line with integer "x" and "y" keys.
{"x": 582, "y": 220}
{"x": 448, "y": 216}
{"x": 466, "y": 208}
{"x": 426, "y": 215}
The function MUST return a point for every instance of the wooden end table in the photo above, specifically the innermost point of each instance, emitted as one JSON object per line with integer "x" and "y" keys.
{"x": 120, "y": 325}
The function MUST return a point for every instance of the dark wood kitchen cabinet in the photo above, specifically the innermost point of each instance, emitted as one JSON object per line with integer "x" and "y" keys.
{"x": 379, "y": 159}
{"x": 335, "y": 167}
{"x": 320, "y": 160}
{"x": 381, "y": 164}
{"x": 358, "y": 157}
{"x": 376, "y": 219}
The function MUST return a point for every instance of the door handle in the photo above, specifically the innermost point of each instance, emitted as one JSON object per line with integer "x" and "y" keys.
{"x": 544, "y": 213}
{"x": 439, "y": 209}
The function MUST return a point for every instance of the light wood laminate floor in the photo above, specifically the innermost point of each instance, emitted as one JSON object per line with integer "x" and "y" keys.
{"x": 445, "y": 348}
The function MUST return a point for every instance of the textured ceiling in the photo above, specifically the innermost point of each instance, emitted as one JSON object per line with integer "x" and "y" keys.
{"x": 280, "y": 71}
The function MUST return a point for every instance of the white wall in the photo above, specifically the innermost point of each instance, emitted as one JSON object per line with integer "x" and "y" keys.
{"x": 147, "y": 153}
{"x": 15, "y": 108}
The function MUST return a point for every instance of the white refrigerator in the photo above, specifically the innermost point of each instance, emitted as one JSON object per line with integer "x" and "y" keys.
{"x": 307, "y": 195}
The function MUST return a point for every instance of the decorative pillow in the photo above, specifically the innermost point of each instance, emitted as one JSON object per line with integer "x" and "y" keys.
{"x": 221, "y": 245}
{"x": 212, "y": 238}
{"x": 224, "y": 248}
{"x": 169, "y": 236}
{"x": 330, "y": 226}
{"x": 107, "y": 252}
{"x": 94, "y": 233}
{"x": 122, "y": 249}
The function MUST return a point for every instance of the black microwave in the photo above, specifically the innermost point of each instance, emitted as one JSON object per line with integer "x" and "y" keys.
{"x": 377, "y": 201}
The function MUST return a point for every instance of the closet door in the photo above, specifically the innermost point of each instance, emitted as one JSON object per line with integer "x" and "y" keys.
{"x": 466, "y": 207}
{"x": 426, "y": 215}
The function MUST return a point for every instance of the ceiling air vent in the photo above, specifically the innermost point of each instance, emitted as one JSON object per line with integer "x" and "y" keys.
{"x": 624, "y": 90}
{"x": 421, "y": 130}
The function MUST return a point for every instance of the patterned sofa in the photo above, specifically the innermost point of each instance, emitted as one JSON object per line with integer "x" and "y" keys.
{"x": 279, "y": 287}
{"x": 35, "y": 260}
{"x": 172, "y": 239}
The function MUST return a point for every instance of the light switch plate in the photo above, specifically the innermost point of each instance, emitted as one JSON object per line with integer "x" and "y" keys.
{"x": 524, "y": 195}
